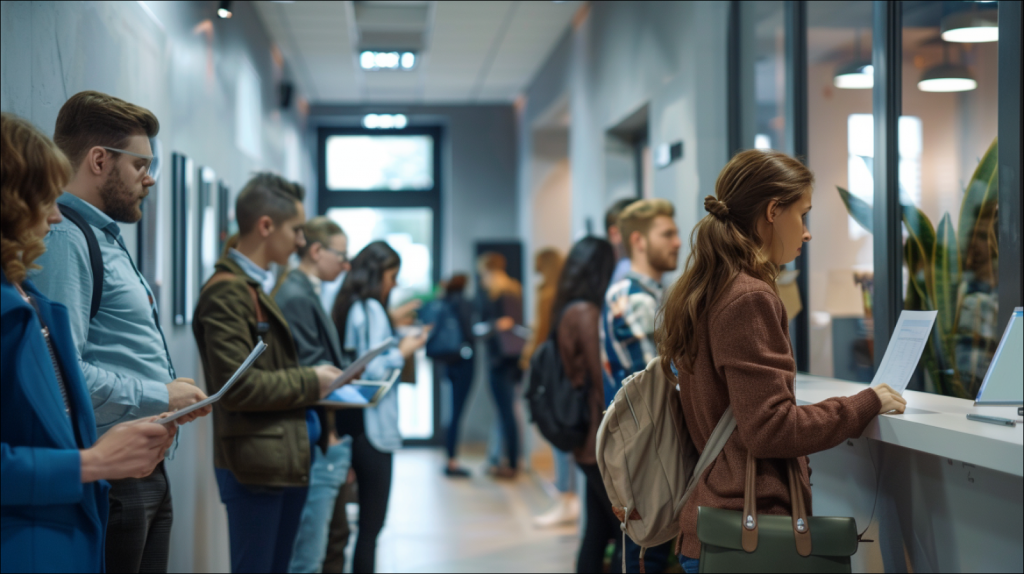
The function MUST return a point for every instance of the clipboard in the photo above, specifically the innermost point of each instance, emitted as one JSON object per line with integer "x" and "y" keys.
{"x": 255, "y": 354}
{"x": 369, "y": 393}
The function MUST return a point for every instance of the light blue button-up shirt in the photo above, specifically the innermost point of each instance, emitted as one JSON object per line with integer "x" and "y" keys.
{"x": 122, "y": 351}
{"x": 367, "y": 327}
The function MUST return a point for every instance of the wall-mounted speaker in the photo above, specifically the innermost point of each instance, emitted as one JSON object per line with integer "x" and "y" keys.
{"x": 285, "y": 91}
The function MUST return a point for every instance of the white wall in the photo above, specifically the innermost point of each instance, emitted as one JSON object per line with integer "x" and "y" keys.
{"x": 621, "y": 56}
{"x": 184, "y": 64}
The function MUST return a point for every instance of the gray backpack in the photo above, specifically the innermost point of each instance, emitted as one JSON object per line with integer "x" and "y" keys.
{"x": 648, "y": 462}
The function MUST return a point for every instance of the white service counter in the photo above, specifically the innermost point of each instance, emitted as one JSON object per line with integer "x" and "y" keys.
{"x": 950, "y": 491}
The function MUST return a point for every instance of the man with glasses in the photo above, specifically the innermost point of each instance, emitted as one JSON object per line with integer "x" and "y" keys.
{"x": 322, "y": 260}
{"x": 114, "y": 318}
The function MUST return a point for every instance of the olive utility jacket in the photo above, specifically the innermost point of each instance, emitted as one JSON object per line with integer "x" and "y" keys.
{"x": 259, "y": 427}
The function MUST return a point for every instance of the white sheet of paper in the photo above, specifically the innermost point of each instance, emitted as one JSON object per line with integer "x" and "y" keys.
{"x": 912, "y": 332}
{"x": 256, "y": 352}
{"x": 360, "y": 364}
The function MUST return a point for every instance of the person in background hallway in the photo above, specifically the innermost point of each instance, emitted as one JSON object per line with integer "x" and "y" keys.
{"x": 651, "y": 240}
{"x": 502, "y": 308}
{"x": 459, "y": 370}
{"x": 577, "y": 314}
{"x": 264, "y": 431}
{"x": 122, "y": 348}
{"x": 323, "y": 258}
{"x": 548, "y": 263}
{"x": 614, "y": 233}
{"x": 726, "y": 333}
{"x": 53, "y": 490}
{"x": 360, "y": 313}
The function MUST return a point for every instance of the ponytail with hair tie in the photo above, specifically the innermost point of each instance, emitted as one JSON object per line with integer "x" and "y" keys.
{"x": 717, "y": 208}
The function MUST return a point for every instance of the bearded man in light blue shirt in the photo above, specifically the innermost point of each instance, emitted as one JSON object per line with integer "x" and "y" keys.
{"x": 121, "y": 348}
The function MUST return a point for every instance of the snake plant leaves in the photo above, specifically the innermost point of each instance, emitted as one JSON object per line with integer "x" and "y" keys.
{"x": 858, "y": 209}
{"x": 915, "y": 261}
{"x": 946, "y": 281}
{"x": 977, "y": 211}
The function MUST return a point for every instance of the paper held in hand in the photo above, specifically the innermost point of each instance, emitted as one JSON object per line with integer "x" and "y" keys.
{"x": 256, "y": 352}
{"x": 359, "y": 365}
{"x": 913, "y": 330}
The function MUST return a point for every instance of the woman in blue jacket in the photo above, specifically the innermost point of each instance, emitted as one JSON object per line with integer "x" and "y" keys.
{"x": 52, "y": 468}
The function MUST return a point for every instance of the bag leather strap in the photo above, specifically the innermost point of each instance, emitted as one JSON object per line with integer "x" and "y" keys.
{"x": 801, "y": 524}
{"x": 262, "y": 326}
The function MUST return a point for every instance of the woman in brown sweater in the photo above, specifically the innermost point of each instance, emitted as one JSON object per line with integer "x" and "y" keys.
{"x": 576, "y": 315}
{"x": 725, "y": 331}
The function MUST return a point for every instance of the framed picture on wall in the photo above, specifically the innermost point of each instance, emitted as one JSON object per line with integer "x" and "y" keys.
{"x": 183, "y": 238}
{"x": 225, "y": 215}
{"x": 208, "y": 223}
{"x": 148, "y": 254}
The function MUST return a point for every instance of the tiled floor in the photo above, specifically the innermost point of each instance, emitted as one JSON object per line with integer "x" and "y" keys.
{"x": 478, "y": 525}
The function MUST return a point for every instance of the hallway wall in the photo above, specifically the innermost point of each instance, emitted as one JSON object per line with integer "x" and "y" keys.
{"x": 191, "y": 69}
{"x": 617, "y": 58}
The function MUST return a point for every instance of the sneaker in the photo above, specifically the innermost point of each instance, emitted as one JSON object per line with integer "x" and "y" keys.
{"x": 456, "y": 472}
{"x": 565, "y": 511}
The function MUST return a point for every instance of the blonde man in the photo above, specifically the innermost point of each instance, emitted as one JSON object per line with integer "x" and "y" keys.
{"x": 651, "y": 241}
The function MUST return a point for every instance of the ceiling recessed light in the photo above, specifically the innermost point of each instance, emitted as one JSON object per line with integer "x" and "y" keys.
{"x": 224, "y": 10}
{"x": 375, "y": 60}
{"x": 385, "y": 121}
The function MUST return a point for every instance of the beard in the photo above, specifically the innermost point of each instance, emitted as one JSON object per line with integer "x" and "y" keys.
{"x": 120, "y": 203}
{"x": 663, "y": 261}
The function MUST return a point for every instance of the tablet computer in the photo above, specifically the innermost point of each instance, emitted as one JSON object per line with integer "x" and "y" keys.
{"x": 361, "y": 394}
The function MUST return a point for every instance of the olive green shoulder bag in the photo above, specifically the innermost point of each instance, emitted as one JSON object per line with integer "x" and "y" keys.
{"x": 734, "y": 541}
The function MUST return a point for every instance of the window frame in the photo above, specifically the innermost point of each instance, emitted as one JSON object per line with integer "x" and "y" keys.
{"x": 431, "y": 198}
{"x": 887, "y": 101}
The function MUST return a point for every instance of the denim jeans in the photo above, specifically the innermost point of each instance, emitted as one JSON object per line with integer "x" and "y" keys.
{"x": 565, "y": 471}
{"x": 262, "y": 523}
{"x": 326, "y": 479}
{"x": 690, "y": 565}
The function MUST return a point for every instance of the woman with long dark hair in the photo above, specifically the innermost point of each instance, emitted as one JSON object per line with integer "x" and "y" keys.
{"x": 575, "y": 318}
{"x": 360, "y": 313}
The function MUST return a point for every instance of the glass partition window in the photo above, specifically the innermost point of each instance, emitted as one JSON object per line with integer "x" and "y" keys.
{"x": 763, "y": 77}
{"x": 380, "y": 162}
{"x": 840, "y": 141}
{"x": 950, "y": 235}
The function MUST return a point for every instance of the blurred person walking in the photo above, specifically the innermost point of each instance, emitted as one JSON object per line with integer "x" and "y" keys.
{"x": 548, "y": 264}
{"x": 360, "y": 314}
{"x": 501, "y": 304}
{"x": 628, "y": 323}
{"x": 451, "y": 345}
{"x": 577, "y": 315}
{"x": 264, "y": 428}
{"x": 54, "y": 501}
{"x": 726, "y": 334}
{"x": 115, "y": 320}
{"x": 321, "y": 260}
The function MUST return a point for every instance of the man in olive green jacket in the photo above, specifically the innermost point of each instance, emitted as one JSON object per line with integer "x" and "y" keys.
{"x": 263, "y": 429}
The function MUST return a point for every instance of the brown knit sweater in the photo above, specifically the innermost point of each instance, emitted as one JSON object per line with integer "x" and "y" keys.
{"x": 744, "y": 358}
{"x": 579, "y": 346}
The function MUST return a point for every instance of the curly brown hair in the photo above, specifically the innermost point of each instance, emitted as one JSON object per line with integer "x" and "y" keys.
{"x": 33, "y": 171}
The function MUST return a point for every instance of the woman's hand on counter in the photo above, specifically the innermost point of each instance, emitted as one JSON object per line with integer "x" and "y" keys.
{"x": 891, "y": 400}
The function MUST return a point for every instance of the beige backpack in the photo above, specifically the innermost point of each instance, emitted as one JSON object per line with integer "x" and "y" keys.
{"x": 647, "y": 460}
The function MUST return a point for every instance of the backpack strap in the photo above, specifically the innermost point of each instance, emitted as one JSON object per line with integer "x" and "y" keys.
{"x": 716, "y": 442}
{"x": 262, "y": 326}
{"x": 95, "y": 256}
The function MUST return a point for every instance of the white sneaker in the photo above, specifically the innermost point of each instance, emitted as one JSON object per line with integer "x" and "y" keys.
{"x": 565, "y": 511}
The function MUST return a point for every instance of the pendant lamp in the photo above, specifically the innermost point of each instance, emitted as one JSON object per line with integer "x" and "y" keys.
{"x": 947, "y": 77}
{"x": 972, "y": 26}
{"x": 858, "y": 74}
